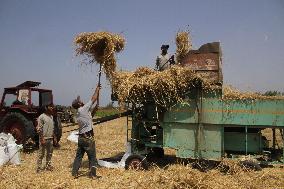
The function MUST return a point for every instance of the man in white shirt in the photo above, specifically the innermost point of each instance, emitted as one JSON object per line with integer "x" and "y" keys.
{"x": 86, "y": 142}
{"x": 164, "y": 61}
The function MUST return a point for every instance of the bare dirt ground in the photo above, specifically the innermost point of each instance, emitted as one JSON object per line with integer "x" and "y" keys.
{"x": 110, "y": 140}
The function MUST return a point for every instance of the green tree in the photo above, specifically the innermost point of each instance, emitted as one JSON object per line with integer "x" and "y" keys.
{"x": 273, "y": 93}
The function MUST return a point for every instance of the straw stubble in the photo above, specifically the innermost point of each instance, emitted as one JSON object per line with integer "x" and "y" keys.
{"x": 110, "y": 140}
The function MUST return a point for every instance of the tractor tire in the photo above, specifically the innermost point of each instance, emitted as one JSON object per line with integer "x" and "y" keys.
{"x": 57, "y": 130}
{"x": 136, "y": 162}
{"x": 19, "y": 126}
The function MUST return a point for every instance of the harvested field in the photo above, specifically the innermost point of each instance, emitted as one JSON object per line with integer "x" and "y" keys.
{"x": 165, "y": 173}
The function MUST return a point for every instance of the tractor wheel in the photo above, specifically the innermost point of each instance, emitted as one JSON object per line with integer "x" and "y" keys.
{"x": 136, "y": 162}
{"x": 158, "y": 152}
{"x": 20, "y": 127}
{"x": 57, "y": 130}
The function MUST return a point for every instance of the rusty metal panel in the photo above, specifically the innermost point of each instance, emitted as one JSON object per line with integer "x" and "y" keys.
{"x": 202, "y": 61}
{"x": 206, "y": 61}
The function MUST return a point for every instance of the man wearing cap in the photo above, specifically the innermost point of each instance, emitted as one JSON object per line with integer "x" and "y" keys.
{"x": 86, "y": 142}
{"x": 164, "y": 60}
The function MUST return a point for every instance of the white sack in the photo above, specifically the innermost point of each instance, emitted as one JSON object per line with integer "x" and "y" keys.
{"x": 3, "y": 139}
{"x": 11, "y": 139}
{"x": 14, "y": 154}
{"x": 4, "y": 156}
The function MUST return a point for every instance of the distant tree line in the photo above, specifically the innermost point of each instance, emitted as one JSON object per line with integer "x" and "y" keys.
{"x": 273, "y": 93}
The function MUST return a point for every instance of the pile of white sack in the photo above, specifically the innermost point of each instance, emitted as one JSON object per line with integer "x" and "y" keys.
{"x": 73, "y": 137}
{"x": 9, "y": 150}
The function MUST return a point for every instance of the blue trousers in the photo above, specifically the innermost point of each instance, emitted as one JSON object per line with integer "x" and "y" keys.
{"x": 85, "y": 145}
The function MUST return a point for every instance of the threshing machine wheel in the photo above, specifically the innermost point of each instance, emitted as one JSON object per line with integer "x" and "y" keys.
{"x": 136, "y": 162}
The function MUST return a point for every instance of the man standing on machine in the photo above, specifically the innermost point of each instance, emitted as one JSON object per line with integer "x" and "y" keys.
{"x": 164, "y": 61}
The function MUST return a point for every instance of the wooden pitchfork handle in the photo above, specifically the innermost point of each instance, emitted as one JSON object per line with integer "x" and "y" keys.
{"x": 99, "y": 83}
{"x": 98, "y": 98}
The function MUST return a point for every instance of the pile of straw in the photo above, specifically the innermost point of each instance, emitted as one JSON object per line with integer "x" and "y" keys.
{"x": 184, "y": 45}
{"x": 100, "y": 47}
{"x": 230, "y": 93}
{"x": 170, "y": 86}
{"x": 164, "y": 88}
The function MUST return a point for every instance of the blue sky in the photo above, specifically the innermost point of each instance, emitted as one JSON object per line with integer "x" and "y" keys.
{"x": 36, "y": 39}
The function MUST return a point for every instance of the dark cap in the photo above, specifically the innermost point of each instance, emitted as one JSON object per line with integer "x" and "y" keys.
{"x": 165, "y": 46}
{"x": 76, "y": 103}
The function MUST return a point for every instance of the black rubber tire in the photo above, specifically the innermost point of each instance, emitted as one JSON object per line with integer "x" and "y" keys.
{"x": 25, "y": 127}
{"x": 136, "y": 162}
{"x": 158, "y": 152}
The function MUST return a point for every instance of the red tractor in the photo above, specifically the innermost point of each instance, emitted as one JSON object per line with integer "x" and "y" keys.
{"x": 19, "y": 109}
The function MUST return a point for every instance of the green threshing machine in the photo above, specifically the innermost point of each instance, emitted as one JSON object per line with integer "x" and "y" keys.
{"x": 205, "y": 126}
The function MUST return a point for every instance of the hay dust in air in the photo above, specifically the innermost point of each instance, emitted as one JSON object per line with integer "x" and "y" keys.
{"x": 184, "y": 45}
{"x": 168, "y": 172}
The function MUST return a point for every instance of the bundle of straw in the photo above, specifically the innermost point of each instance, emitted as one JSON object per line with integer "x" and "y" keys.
{"x": 100, "y": 47}
{"x": 170, "y": 86}
{"x": 164, "y": 88}
{"x": 184, "y": 45}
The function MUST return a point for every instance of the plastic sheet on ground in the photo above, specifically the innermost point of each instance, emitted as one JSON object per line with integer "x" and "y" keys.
{"x": 121, "y": 163}
{"x": 73, "y": 137}
{"x": 9, "y": 150}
